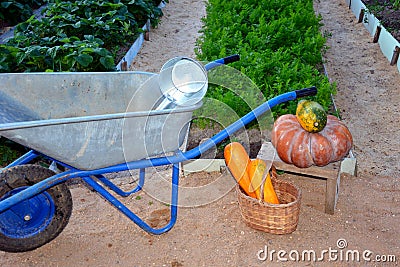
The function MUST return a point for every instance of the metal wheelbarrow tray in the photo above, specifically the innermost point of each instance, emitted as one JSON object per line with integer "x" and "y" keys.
{"x": 90, "y": 124}
{"x": 86, "y": 120}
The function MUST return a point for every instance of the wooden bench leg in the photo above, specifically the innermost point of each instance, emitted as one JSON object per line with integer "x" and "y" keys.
{"x": 332, "y": 186}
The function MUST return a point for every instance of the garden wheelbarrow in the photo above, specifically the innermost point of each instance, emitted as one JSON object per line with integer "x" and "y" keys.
{"x": 90, "y": 125}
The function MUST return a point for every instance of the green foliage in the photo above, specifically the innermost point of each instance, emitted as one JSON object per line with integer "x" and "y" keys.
{"x": 9, "y": 151}
{"x": 279, "y": 43}
{"x": 385, "y": 12}
{"x": 59, "y": 54}
{"x": 396, "y": 4}
{"x": 82, "y": 35}
{"x": 15, "y": 11}
{"x": 379, "y": 6}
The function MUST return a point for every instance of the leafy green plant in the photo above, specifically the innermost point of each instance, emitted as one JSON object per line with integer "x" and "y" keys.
{"x": 15, "y": 11}
{"x": 377, "y": 7}
{"x": 61, "y": 54}
{"x": 385, "y": 11}
{"x": 9, "y": 151}
{"x": 279, "y": 42}
{"x": 82, "y": 35}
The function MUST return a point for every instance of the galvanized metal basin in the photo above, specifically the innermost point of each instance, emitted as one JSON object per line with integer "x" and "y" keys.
{"x": 90, "y": 120}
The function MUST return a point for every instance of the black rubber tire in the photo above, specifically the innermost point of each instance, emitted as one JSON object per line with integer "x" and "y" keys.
{"x": 27, "y": 175}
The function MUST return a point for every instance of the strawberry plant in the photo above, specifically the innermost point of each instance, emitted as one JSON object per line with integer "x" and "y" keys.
{"x": 82, "y": 35}
{"x": 15, "y": 11}
{"x": 9, "y": 151}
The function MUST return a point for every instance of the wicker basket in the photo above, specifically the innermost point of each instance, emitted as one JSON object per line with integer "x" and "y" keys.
{"x": 272, "y": 218}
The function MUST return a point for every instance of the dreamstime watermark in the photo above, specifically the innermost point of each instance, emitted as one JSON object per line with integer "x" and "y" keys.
{"x": 340, "y": 253}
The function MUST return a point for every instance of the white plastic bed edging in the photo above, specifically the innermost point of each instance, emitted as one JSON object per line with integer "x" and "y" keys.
{"x": 388, "y": 45}
{"x": 386, "y": 41}
{"x": 371, "y": 23}
{"x": 127, "y": 60}
{"x": 134, "y": 50}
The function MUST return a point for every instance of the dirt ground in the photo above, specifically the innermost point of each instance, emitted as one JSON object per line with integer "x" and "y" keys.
{"x": 367, "y": 216}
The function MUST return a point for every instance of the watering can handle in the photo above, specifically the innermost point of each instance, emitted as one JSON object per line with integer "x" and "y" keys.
{"x": 221, "y": 61}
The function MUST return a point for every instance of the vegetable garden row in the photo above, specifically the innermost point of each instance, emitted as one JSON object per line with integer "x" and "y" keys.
{"x": 280, "y": 45}
{"x": 82, "y": 35}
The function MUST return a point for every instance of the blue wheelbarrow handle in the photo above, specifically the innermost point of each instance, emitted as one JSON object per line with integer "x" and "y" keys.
{"x": 225, "y": 133}
{"x": 249, "y": 117}
{"x": 222, "y": 61}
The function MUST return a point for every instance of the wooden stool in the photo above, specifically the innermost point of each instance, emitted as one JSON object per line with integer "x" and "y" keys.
{"x": 331, "y": 173}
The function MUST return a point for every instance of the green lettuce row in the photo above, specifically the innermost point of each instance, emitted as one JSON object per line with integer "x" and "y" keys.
{"x": 279, "y": 42}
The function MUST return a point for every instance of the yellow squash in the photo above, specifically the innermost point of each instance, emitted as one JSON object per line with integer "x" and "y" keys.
{"x": 256, "y": 170}
{"x": 237, "y": 160}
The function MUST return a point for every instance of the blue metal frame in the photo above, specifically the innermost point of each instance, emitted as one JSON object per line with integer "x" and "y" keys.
{"x": 88, "y": 176}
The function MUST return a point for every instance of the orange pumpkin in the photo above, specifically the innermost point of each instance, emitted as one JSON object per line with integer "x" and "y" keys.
{"x": 295, "y": 145}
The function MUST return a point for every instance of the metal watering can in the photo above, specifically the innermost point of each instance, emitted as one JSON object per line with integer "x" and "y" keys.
{"x": 183, "y": 81}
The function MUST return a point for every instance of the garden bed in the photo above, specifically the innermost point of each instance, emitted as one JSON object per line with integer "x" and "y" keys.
{"x": 388, "y": 13}
{"x": 381, "y": 19}
{"x": 77, "y": 36}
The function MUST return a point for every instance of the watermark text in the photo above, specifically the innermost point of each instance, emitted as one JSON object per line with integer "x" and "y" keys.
{"x": 340, "y": 253}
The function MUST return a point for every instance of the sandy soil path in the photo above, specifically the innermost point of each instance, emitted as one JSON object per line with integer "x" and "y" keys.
{"x": 368, "y": 94}
{"x": 175, "y": 36}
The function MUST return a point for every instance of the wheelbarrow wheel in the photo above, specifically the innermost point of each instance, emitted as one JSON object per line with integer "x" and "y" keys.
{"x": 35, "y": 221}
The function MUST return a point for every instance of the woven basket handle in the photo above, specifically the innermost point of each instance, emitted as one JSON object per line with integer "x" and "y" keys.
{"x": 272, "y": 172}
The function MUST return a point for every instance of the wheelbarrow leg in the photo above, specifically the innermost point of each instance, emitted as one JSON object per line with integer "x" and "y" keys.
{"x": 125, "y": 210}
{"x": 118, "y": 190}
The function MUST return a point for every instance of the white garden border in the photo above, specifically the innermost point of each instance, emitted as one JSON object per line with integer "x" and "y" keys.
{"x": 127, "y": 60}
{"x": 390, "y": 47}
